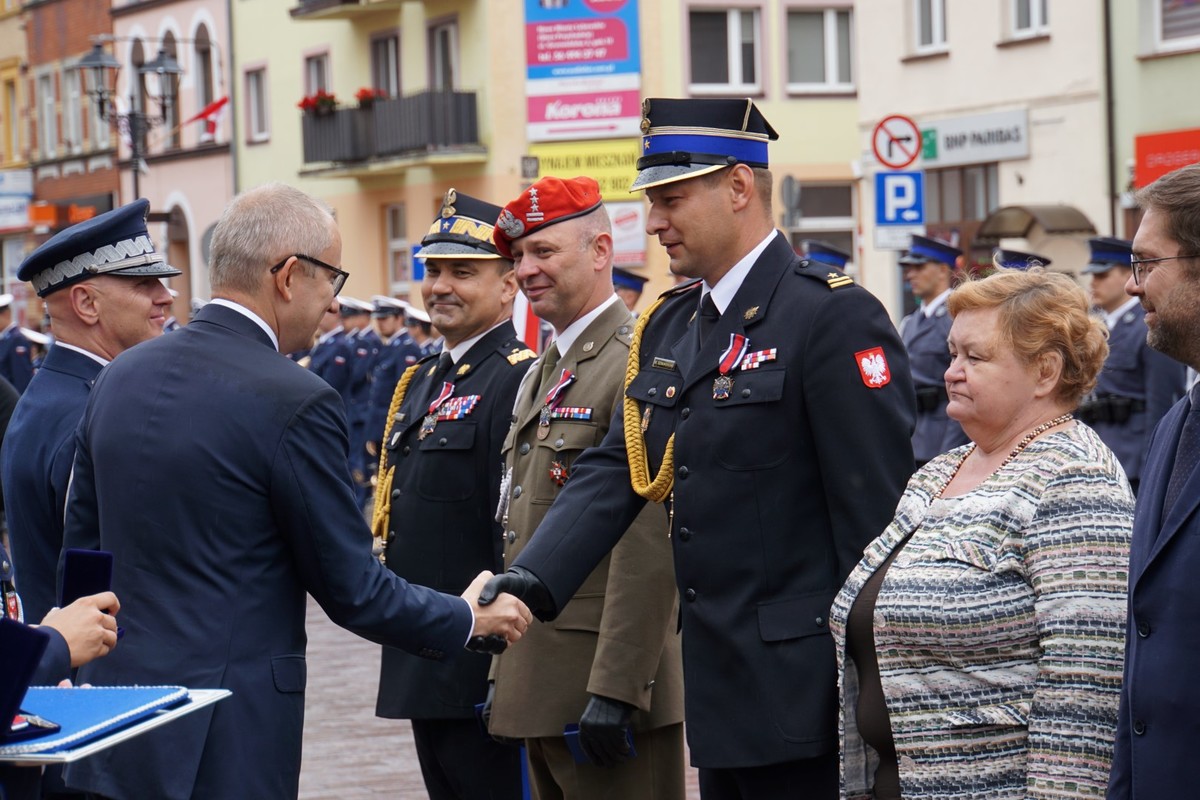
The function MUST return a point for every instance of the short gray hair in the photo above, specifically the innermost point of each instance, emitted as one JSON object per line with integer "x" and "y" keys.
{"x": 262, "y": 226}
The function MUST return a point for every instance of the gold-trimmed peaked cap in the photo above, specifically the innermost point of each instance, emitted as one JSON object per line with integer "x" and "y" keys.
{"x": 463, "y": 229}
{"x": 685, "y": 138}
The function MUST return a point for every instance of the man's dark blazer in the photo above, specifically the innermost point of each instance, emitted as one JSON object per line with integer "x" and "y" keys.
{"x": 777, "y": 491}
{"x": 443, "y": 514}
{"x": 1159, "y": 722}
{"x": 35, "y": 464}
{"x": 214, "y": 469}
{"x": 1136, "y": 371}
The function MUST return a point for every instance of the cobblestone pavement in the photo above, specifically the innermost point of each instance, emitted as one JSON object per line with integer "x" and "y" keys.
{"x": 350, "y": 754}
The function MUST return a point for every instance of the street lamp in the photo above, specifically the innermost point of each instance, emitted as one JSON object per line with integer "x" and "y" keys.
{"x": 100, "y": 70}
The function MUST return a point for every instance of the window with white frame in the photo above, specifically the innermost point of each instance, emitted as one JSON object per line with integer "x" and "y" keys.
{"x": 725, "y": 52}
{"x": 385, "y": 64}
{"x": 72, "y": 111}
{"x": 316, "y": 73}
{"x": 443, "y": 56}
{"x": 825, "y": 212}
{"x": 929, "y": 17}
{"x": 399, "y": 255}
{"x": 258, "y": 127}
{"x": 1030, "y": 17}
{"x": 820, "y": 56}
{"x": 47, "y": 116}
{"x": 12, "y": 122}
{"x": 1177, "y": 24}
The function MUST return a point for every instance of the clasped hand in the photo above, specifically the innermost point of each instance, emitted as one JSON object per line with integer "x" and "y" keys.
{"x": 498, "y": 623}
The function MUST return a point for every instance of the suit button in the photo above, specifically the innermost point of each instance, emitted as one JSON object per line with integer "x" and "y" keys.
{"x": 516, "y": 492}
{"x": 650, "y": 685}
{"x": 442, "y": 441}
{"x": 683, "y": 473}
{"x": 511, "y": 537}
{"x": 685, "y": 534}
{"x": 395, "y": 494}
{"x": 820, "y": 622}
{"x": 745, "y": 392}
{"x": 1139, "y": 727}
{"x": 525, "y": 448}
{"x": 558, "y": 442}
{"x": 651, "y": 391}
{"x": 684, "y": 413}
{"x": 406, "y": 450}
{"x": 690, "y": 595}
{"x": 1143, "y": 629}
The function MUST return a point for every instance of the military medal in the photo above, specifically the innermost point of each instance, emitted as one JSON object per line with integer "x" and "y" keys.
{"x": 558, "y": 473}
{"x": 723, "y": 385}
{"x": 565, "y": 379}
{"x": 431, "y": 416}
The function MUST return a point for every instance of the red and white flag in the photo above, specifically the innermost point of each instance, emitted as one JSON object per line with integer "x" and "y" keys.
{"x": 211, "y": 115}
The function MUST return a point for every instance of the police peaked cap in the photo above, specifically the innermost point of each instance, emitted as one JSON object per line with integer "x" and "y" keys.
{"x": 1108, "y": 252}
{"x": 463, "y": 229}
{"x": 1015, "y": 259}
{"x": 924, "y": 249}
{"x": 628, "y": 280}
{"x": 685, "y": 138}
{"x": 825, "y": 253}
{"x": 113, "y": 243}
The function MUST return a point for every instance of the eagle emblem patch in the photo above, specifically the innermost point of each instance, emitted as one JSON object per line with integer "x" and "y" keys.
{"x": 873, "y": 367}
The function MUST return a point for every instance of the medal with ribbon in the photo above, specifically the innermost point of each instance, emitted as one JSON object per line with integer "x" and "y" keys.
{"x": 430, "y": 421}
{"x": 553, "y": 398}
{"x": 723, "y": 385}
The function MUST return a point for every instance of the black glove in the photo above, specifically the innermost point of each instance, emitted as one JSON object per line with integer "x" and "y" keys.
{"x": 604, "y": 731}
{"x": 492, "y": 645}
{"x": 522, "y": 584}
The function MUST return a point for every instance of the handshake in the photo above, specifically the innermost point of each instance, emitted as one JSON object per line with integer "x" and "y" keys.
{"x": 499, "y": 605}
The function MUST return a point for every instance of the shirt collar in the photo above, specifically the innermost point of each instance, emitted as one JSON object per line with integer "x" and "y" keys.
{"x": 1112, "y": 319}
{"x": 459, "y": 350}
{"x": 245, "y": 312}
{"x": 327, "y": 335}
{"x": 726, "y": 288}
{"x": 934, "y": 304}
{"x": 570, "y": 333}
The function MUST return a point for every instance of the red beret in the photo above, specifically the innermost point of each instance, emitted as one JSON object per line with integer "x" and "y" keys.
{"x": 546, "y": 202}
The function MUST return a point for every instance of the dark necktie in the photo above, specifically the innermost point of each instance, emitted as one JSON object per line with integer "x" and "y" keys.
{"x": 444, "y": 365}
{"x": 549, "y": 375}
{"x": 708, "y": 317}
{"x": 1187, "y": 454}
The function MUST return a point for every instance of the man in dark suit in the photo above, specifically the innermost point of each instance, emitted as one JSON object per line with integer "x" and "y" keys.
{"x": 437, "y": 492}
{"x": 611, "y": 662}
{"x": 214, "y": 469}
{"x": 928, "y": 269}
{"x": 16, "y": 354}
{"x": 770, "y": 404}
{"x": 101, "y": 283}
{"x": 1138, "y": 384}
{"x": 1159, "y": 721}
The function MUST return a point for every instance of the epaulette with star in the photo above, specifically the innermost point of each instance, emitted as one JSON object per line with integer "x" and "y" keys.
{"x": 680, "y": 289}
{"x": 517, "y": 352}
{"x": 832, "y": 278}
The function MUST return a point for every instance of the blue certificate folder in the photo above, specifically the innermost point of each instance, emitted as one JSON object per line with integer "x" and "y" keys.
{"x": 87, "y": 713}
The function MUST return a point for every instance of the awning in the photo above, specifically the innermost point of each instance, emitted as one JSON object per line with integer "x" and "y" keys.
{"x": 1015, "y": 222}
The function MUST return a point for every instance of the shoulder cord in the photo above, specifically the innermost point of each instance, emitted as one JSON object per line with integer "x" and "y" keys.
{"x": 635, "y": 439}
{"x": 385, "y": 475}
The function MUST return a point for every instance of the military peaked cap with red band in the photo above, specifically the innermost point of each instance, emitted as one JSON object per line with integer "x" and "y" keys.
{"x": 546, "y": 202}
{"x": 463, "y": 229}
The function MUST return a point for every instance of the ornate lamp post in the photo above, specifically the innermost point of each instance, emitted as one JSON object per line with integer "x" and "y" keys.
{"x": 100, "y": 70}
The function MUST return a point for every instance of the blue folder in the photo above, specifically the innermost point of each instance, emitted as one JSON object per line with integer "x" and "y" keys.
{"x": 86, "y": 713}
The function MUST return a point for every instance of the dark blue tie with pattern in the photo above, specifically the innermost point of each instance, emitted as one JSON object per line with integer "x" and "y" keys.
{"x": 1187, "y": 454}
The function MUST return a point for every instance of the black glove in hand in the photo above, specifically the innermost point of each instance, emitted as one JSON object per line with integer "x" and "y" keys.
{"x": 493, "y": 644}
{"x": 603, "y": 731}
{"x": 522, "y": 584}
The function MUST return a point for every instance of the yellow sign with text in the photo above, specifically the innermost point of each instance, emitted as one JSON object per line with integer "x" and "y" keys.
{"x": 611, "y": 162}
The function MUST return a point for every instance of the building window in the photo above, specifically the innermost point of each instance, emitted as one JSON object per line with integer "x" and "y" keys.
{"x": 258, "y": 128}
{"x": 961, "y": 194}
{"x": 316, "y": 73}
{"x": 820, "y": 55}
{"x": 399, "y": 255}
{"x": 725, "y": 53}
{"x": 204, "y": 68}
{"x": 171, "y": 112}
{"x": 47, "y": 117}
{"x": 1178, "y": 24}
{"x": 443, "y": 56}
{"x": 1030, "y": 17}
{"x": 72, "y": 112}
{"x": 825, "y": 212}
{"x": 385, "y": 64}
{"x": 930, "y": 27}
{"x": 12, "y": 122}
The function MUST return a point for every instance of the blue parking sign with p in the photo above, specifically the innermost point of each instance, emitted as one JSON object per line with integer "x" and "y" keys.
{"x": 900, "y": 198}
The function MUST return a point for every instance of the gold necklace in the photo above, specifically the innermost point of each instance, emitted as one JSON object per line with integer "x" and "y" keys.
{"x": 1021, "y": 445}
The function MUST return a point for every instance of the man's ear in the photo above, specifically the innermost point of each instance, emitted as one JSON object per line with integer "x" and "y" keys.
{"x": 741, "y": 186}
{"x": 84, "y": 303}
{"x": 284, "y": 284}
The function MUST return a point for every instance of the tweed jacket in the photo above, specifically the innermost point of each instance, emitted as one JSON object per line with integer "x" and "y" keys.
{"x": 617, "y": 637}
{"x": 999, "y": 627}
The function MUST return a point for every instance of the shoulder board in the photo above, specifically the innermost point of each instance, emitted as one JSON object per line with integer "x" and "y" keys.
{"x": 831, "y": 277}
{"x": 516, "y": 353}
{"x": 681, "y": 288}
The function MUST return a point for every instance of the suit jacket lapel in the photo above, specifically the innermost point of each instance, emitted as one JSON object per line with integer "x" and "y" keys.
{"x": 1151, "y": 536}
{"x": 747, "y": 309}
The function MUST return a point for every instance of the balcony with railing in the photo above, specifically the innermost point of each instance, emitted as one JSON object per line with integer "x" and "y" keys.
{"x": 393, "y": 133}
{"x": 341, "y": 9}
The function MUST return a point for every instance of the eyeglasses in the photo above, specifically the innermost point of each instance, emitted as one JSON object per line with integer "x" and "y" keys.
{"x": 338, "y": 282}
{"x": 1141, "y": 272}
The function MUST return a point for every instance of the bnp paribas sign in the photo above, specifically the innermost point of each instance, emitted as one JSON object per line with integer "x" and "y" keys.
{"x": 979, "y": 139}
